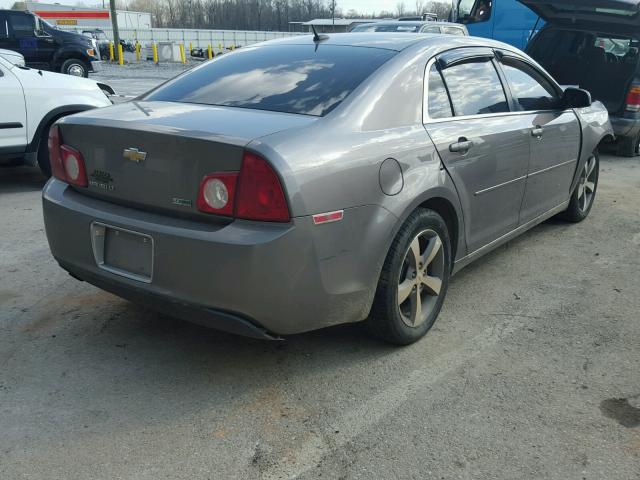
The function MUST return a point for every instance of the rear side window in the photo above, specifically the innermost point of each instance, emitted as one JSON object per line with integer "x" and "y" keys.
{"x": 438, "y": 99}
{"x": 302, "y": 79}
{"x": 453, "y": 31}
{"x": 475, "y": 88}
{"x": 431, "y": 30}
{"x": 4, "y": 26}
{"x": 531, "y": 90}
{"x": 22, "y": 25}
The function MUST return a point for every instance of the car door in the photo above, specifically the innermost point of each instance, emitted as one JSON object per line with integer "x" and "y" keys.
{"x": 483, "y": 146}
{"x": 13, "y": 117}
{"x": 555, "y": 136}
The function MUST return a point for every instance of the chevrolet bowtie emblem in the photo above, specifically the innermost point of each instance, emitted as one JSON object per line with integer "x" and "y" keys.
{"x": 134, "y": 155}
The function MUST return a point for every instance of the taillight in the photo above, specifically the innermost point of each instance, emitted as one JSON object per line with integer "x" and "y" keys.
{"x": 633, "y": 99}
{"x": 260, "y": 195}
{"x": 67, "y": 163}
{"x": 217, "y": 193}
{"x": 73, "y": 166}
{"x": 254, "y": 193}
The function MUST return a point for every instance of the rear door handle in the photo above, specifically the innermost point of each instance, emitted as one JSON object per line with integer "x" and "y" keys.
{"x": 537, "y": 132}
{"x": 461, "y": 146}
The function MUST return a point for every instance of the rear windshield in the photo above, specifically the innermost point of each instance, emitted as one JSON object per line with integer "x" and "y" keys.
{"x": 280, "y": 78}
{"x": 390, "y": 27}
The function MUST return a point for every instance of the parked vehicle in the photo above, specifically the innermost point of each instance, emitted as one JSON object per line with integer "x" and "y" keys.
{"x": 301, "y": 183}
{"x": 45, "y": 47}
{"x": 424, "y": 16}
{"x": 504, "y": 20}
{"x": 595, "y": 46}
{"x": 31, "y": 101}
{"x": 12, "y": 57}
{"x": 101, "y": 41}
{"x": 414, "y": 27}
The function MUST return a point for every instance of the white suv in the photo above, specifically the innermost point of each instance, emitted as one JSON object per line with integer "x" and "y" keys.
{"x": 31, "y": 101}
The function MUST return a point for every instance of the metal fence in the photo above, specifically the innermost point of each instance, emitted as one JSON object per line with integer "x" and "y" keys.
{"x": 198, "y": 38}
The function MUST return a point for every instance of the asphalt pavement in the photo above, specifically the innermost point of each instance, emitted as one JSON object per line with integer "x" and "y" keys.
{"x": 531, "y": 372}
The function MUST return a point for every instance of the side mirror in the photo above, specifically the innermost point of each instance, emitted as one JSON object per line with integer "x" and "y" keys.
{"x": 576, "y": 98}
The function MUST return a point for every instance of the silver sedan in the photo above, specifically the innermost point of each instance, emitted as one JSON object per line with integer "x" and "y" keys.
{"x": 319, "y": 180}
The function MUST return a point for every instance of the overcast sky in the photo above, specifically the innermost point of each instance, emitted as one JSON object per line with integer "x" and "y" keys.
{"x": 365, "y": 6}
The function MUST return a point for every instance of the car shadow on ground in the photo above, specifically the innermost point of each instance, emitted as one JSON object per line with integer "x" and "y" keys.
{"x": 21, "y": 179}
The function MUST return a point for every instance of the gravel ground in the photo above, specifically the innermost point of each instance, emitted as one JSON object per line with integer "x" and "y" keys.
{"x": 531, "y": 372}
{"x": 134, "y": 79}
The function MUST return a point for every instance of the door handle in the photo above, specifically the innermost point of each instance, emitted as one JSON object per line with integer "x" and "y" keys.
{"x": 537, "y": 132}
{"x": 461, "y": 146}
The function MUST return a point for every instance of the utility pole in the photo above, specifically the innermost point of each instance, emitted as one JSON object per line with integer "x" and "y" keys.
{"x": 114, "y": 25}
{"x": 333, "y": 14}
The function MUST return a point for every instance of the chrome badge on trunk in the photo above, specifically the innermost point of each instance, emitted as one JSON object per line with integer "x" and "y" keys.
{"x": 134, "y": 155}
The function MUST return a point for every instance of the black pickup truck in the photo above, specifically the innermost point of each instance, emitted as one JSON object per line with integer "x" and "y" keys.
{"x": 46, "y": 47}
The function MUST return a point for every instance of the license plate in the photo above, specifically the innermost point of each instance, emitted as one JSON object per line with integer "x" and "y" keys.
{"x": 123, "y": 252}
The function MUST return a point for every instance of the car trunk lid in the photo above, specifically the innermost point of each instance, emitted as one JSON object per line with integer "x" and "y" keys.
{"x": 153, "y": 155}
{"x": 613, "y": 15}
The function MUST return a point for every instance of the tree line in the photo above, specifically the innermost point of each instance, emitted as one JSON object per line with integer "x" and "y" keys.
{"x": 271, "y": 15}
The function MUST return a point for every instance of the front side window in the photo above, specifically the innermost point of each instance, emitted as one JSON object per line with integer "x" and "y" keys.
{"x": 474, "y": 11}
{"x": 438, "y": 98}
{"x": 303, "y": 79}
{"x": 531, "y": 90}
{"x": 475, "y": 88}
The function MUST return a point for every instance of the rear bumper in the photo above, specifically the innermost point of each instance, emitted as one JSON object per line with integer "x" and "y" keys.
{"x": 624, "y": 126}
{"x": 250, "y": 278}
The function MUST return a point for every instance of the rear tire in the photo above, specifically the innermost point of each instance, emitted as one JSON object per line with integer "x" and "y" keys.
{"x": 584, "y": 194}
{"x": 43, "y": 152}
{"x": 414, "y": 280}
{"x": 628, "y": 146}
{"x": 75, "y": 67}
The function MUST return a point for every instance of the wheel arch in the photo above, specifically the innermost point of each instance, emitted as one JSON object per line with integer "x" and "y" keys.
{"x": 65, "y": 55}
{"x": 445, "y": 203}
{"x": 49, "y": 119}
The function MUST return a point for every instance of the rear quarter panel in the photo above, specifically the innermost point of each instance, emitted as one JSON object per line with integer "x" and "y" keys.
{"x": 335, "y": 163}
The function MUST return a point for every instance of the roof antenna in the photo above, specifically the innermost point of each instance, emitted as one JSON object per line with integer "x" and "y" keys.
{"x": 318, "y": 38}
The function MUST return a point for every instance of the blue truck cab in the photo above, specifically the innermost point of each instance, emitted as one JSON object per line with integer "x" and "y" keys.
{"x": 506, "y": 20}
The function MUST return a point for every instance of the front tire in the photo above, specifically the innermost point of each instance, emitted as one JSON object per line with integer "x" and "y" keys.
{"x": 75, "y": 67}
{"x": 414, "y": 280}
{"x": 628, "y": 146}
{"x": 584, "y": 194}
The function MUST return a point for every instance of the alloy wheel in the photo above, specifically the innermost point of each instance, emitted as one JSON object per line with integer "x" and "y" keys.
{"x": 421, "y": 278}
{"x": 587, "y": 184}
{"x": 76, "y": 70}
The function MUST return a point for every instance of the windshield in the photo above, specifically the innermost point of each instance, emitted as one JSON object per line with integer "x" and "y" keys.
{"x": 303, "y": 79}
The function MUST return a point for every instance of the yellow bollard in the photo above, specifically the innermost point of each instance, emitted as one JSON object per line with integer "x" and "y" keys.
{"x": 137, "y": 51}
{"x": 220, "y": 48}
{"x": 120, "y": 55}
{"x": 111, "y": 55}
{"x": 154, "y": 47}
{"x": 190, "y": 47}
{"x": 209, "y": 52}
{"x": 182, "y": 53}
